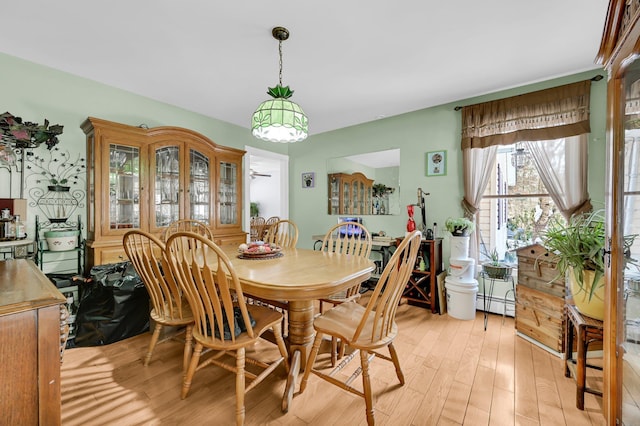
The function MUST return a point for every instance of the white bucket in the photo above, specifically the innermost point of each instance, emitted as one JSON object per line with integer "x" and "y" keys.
{"x": 462, "y": 268}
{"x": 459, "y": 248}
{"x": 461, "y": 281}
{"x": 461, "y": 300}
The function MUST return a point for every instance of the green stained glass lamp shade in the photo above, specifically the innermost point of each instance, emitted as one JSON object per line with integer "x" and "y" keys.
{"x": 280, "y": 120}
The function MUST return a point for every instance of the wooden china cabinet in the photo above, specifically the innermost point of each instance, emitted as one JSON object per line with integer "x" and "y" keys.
{"x": 147, "y": 178}
{"x": 620, "y": 55}
{"x": 350, "y": 193}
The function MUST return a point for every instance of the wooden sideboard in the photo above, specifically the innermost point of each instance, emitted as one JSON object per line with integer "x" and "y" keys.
{"x": 30, "y": 351}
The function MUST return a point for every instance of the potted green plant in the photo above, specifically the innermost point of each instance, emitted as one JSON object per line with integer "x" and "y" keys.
{"x": 579, "y": 247}
{"x": 459, "y": 227}
{"x": 495, "y": 268}
{"x": 254, "y": 209}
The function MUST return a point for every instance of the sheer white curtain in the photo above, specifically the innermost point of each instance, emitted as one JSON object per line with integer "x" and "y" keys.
{"x": 631, "y": 179}
{"x": 562, "y": 166}
{"x": 477, "y": 165}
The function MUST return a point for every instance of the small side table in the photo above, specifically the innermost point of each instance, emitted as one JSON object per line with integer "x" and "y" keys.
{"x": 489, "y": 298}
{"x": 586, "y": 330}
{"x": 18, "y": 249}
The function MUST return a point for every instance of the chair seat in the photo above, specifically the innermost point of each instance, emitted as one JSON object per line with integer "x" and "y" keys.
{"x": 265, "y": 318}
{"x": 343, "y": 320}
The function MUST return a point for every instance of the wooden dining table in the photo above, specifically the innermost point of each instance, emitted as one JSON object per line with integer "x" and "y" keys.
{"x": 299, "y": 276}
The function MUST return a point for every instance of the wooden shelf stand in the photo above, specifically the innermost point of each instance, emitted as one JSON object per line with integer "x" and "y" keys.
{"x": 421, "y": 289}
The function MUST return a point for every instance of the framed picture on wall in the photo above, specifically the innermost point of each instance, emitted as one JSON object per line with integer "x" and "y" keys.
{"x": 308, "y": 179}
{"x": 437, "y": 163}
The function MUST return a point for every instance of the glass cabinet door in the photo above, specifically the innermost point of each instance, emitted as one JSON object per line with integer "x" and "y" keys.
{"x": 199, "y": 186}
{"x": 346, "y": 199}
{"x": 228, "y": 202}
{"x": 334, "y": 195}
{"x": 166, "y": 186}
{"x": 355, "y": 191}
{"x": 629, "y": 342}
{"x": 124, "y": 187}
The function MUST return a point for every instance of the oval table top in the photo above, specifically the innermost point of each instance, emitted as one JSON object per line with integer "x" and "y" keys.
{"x": 300, "y": 274}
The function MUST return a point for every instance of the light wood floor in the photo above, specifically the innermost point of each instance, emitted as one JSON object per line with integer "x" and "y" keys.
{"x": 456, "y": 374}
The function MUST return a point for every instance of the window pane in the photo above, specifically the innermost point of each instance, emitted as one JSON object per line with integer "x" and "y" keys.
{"x": 520, "y": 219}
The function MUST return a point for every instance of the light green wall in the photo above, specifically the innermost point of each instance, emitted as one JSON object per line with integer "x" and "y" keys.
{"x": 35, "y": 92}
{"x": 417, "y": 133}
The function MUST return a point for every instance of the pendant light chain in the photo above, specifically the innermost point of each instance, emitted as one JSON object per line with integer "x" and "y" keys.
{"x": 280, "y": 53}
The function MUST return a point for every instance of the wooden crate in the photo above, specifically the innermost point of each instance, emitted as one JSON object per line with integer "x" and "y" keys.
{"x": 539, "y": 315}
{"x": 537, "y": 270}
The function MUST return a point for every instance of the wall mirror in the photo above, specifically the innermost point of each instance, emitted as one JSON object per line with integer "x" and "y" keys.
{"x": 365, "y": 184}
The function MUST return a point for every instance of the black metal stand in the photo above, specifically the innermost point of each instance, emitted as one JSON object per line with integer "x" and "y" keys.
{"x": 484, "y": 277}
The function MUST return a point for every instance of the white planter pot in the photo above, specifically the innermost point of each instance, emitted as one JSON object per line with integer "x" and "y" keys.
{"x": 459, "y": 247}
{"x": 62, "y": 240}
{"x": 588, "y": 304}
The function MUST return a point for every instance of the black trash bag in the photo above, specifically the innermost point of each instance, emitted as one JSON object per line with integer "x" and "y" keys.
{"x": 238, "y": 324}
{"x": 114, "y": 305}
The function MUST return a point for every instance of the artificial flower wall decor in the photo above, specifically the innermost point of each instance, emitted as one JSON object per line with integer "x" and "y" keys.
{"x": 24, "y": 134}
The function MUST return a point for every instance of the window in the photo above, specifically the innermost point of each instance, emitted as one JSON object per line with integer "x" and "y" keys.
{"x": 516, "y": 207}
{"x": 556, "y": 121}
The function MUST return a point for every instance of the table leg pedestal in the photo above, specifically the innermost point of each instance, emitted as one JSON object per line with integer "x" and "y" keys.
{"x": 300, "y": 342}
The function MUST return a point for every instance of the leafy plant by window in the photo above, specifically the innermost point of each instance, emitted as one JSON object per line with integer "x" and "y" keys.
{"x": 579, "y": 245}
{"x": 495, "y": 258}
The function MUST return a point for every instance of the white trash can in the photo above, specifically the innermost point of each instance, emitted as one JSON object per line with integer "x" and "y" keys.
{"x": 461, "y": 298}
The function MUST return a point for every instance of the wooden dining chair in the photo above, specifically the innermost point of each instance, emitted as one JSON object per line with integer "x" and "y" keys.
{"x": 223, "y": 321}
{"x": 187, "y": 225}
{"x": 351, "y": 239}
{"x": 256, "y": 228}
{"x": 366, "y": 329}
{"x": 169, "y": 307}
{"x": 268, "y": 224}
{"x": 283, "y": 233}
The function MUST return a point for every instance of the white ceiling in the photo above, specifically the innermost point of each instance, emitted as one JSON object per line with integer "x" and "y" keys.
{"x": 348, "y": 62}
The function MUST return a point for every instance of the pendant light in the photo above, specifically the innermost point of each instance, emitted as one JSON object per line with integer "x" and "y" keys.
{"x": 279, "y": 119}
{"x": 519, "y": 157}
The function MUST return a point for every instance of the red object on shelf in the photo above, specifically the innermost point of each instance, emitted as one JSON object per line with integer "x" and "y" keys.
{"x": 411, "y": 224}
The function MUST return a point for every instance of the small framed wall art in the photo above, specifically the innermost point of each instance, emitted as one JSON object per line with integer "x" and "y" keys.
{"x": 308, "y": 179}
{"x": 437, "y": 163}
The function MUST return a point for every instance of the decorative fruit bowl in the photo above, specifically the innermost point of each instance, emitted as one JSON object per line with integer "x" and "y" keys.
{"x": 259, "y": 249}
